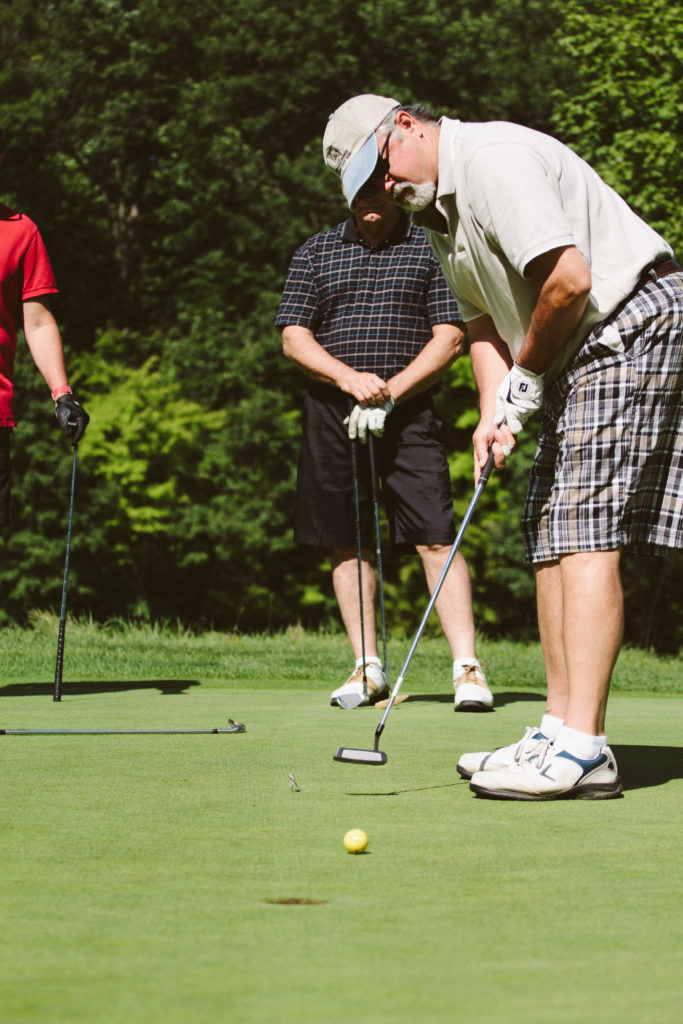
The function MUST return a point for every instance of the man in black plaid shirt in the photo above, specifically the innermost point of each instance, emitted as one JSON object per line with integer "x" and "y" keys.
{"x": 367, "y": 315}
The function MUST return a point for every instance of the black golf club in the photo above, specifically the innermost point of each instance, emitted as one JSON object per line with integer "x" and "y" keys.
{"x": 378, "y": 540}
{"x": 354, "y": 700}
{"x": 354, "y": 755}
{"x": 359, "y": 550}
{"x": 57, "y": 694}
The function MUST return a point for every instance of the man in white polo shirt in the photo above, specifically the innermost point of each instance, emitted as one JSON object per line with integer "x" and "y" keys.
{"x": 573, "y": 304}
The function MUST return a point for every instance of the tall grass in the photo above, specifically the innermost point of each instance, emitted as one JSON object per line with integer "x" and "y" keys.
{"x": 292, "y": 659}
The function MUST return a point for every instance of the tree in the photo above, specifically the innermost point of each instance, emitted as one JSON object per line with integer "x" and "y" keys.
{"x": 622, "y": 109}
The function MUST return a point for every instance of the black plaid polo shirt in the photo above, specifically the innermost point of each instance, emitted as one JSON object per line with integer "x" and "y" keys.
{"x": 371, "y": 306}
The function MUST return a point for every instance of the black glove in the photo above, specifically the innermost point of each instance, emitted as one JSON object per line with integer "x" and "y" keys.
{"x": 72, "y": 418}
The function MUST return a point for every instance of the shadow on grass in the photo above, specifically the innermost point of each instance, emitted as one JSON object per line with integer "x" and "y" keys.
{"x": 501, "y": 698}
{"x": 641, "y": 767}
{"x": 166, "y": 687}
{"x": 414, "y": 789}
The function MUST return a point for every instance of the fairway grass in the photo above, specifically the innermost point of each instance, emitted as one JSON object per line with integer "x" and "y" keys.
{"x": 179, "y": 879}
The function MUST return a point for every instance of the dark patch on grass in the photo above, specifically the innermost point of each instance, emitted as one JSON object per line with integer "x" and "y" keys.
{"x": 641, "y": 767}
{"x": 170, "y": 687}
{"x": 294, "y": 901}
{"x": 416, "y": 789}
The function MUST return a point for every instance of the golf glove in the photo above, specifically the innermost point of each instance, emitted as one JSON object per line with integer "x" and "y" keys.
{"x": 72, "y": 418}
{"x": 518, "y": 398}
{"x": 368, "y": 417}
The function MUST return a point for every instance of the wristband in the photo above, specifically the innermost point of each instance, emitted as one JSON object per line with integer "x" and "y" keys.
{"x": 63, "y": 389}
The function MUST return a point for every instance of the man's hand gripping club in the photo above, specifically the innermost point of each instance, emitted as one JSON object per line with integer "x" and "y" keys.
{"x": 519, "y": 396}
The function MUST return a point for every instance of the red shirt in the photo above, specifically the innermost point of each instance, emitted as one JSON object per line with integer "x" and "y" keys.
{"x": 25, "y": 273}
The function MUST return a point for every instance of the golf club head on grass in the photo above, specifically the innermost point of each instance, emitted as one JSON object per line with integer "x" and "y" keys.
{"x": 353, "y": 755}
{"x": 350, "y": 701}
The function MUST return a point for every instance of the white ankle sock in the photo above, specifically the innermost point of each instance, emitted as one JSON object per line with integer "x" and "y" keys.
{"x": 370, "y": 659}
{"x": 579, "y": 744}
{"x": 550, "y": 726}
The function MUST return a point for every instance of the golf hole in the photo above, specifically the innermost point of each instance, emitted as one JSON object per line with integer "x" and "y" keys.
{"x": 294, "y": 901}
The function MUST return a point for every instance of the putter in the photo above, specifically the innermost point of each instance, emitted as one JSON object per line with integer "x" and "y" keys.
{"x": 354, "y": 755}
{"x": 57, "y": 694}
{"x": 232, "y": 727}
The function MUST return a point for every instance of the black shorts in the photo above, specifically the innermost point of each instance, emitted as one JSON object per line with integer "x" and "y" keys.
{"x": 411, "y": 462}
{"x": 5, "y": 473}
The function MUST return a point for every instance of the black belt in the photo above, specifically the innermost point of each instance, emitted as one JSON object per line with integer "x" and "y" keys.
{"x": 662, "y": 269}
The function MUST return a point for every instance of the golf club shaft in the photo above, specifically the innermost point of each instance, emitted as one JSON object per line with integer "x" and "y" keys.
{"x": 483, "y": 480}
{"x": 378, "y": 540}
{"x": 116, "y": 732}
{"x": 359, "y": 549}
{"x": 57, "y": 694}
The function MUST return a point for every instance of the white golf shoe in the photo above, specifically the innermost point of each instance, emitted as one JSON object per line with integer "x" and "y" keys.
{"x": 503, "y": 757}
{"x": 551, "y": 774}
{"x": 471, "y": 689}
{"x": 354, "y": 693}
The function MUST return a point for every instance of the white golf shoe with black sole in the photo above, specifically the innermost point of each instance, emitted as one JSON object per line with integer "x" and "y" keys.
{"x": 355, "y": 693}
{"x": 552, "y": 775}
{"x": 471, "y": 689}
{"x": 503, "y": 757}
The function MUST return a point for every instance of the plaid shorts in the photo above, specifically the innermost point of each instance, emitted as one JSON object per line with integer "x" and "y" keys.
{"x": 608, "y": 472}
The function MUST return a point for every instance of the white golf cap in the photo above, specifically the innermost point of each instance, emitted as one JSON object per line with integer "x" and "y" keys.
{"x": 349, "y": 143}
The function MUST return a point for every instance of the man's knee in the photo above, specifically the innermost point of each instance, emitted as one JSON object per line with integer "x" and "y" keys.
{"x": 342, "y": 555}
{"x": 432, "y": 552}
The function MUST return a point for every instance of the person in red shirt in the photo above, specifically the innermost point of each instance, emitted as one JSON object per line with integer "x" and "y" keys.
{"x": 26, "y": 283}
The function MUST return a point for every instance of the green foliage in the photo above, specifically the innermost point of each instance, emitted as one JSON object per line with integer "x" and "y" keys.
{"x": 623, "y": 111}
{"x": 143, "y": 433}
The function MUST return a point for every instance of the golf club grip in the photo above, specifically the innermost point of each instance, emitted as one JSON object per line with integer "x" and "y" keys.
{"x": 354, "y": 471}
{"x": 57, "y": 695}
{"x": 487, "y": 469}
{"x": 373, "y": 469}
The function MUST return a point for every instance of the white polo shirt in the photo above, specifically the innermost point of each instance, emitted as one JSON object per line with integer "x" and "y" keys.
{"x": 509, "y": 194}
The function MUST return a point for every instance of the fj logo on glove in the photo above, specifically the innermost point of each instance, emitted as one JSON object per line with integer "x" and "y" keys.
{"x": 518, "y": 397}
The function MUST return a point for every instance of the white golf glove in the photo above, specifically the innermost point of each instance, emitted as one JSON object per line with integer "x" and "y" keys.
{"x": 518, "y": 397}
{"x": 368, "y": 417}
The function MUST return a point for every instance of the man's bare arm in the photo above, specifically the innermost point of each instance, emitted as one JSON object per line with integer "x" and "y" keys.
{"x": 446, "y": 344}
{"x": 562, "y": 280}
{"x": 300, "y": 345}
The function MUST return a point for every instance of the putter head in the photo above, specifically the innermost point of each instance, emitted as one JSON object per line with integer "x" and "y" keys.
{"x": 349, "y": 701}
{"x": 352, "y": 755}
{"x": 234, "y": 726}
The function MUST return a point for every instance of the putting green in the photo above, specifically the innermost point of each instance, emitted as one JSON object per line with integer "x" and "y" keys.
{"x": 180, "y": 879}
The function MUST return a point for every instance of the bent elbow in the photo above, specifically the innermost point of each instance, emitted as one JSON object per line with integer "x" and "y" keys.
{"x": 286, "y": 344}
{"x": 583, "y": 283}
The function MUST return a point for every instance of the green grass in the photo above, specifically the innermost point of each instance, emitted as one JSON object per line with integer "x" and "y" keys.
{"x": 294, "y": 659}
{"x": 142, "y": 874}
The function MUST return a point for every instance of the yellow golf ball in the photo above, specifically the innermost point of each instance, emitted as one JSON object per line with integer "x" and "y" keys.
{"x": 355, "y": 840}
